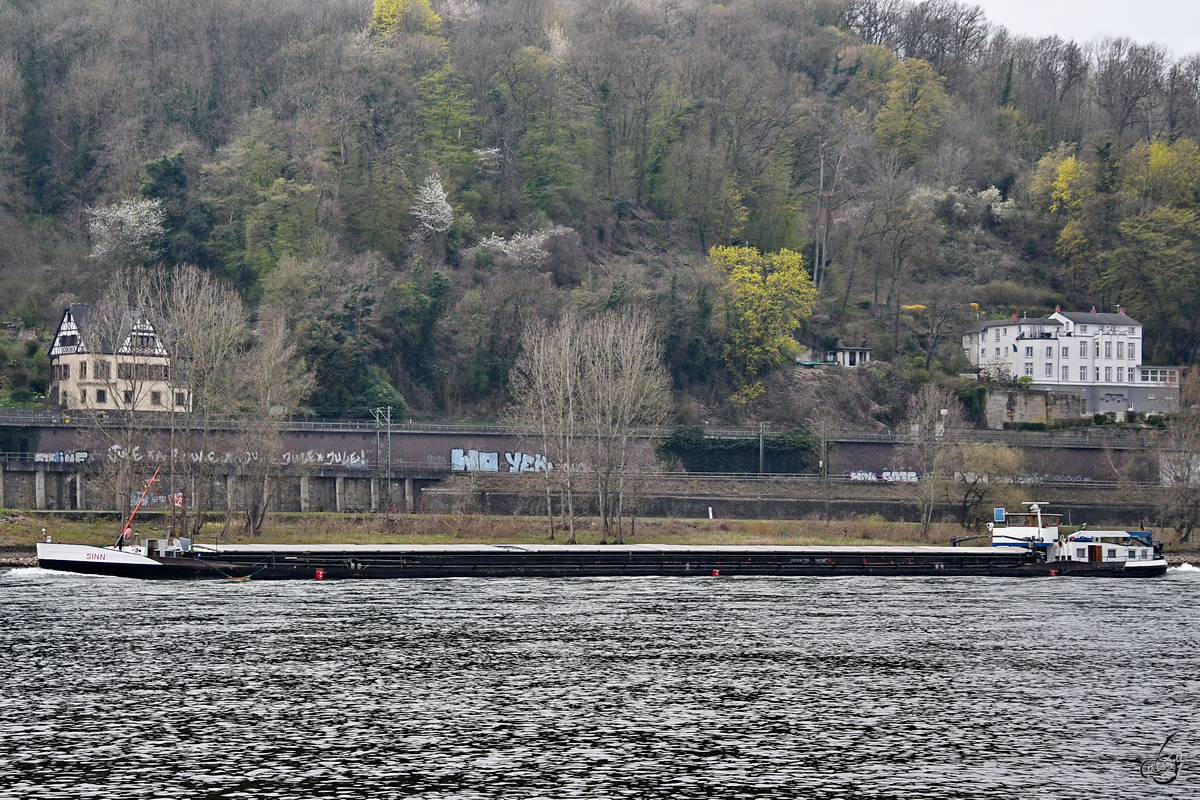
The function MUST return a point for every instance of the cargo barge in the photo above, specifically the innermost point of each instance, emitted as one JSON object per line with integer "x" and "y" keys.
{"x": 158, "y": 558}
{"x": 1026, "y": 544}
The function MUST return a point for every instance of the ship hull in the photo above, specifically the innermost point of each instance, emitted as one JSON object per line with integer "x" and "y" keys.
{"x": 346, "y": 562}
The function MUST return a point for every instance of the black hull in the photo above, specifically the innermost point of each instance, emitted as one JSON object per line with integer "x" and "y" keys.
{"x": 602, "y": 562}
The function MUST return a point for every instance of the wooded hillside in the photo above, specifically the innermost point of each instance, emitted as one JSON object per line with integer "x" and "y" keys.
{"x": 409, "y": 185}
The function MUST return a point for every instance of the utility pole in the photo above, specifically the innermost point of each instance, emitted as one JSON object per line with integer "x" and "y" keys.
{"x": 383, "y": 416}
{"x": 762, "y": 428}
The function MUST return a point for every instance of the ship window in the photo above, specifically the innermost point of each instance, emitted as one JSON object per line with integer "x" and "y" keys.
{"x": 1112, "y": 552}
{"x": 1143, "y": 554}
{"x": 1132, "y": 554}
{"x": 1081, "y": 552}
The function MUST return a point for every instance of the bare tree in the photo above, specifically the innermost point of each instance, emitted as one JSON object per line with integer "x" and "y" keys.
{"x": 545, "y": 385}
{"x": 623, "y": 387}
{"x": 209, "y": 337}
{"x": 120, "y": 428}
{"x": 933, "y": 414}
{"x": 273, "y": 382}
{"x": 601, "y": 379}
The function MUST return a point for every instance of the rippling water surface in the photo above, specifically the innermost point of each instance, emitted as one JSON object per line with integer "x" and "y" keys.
{"x": 596, "y": 688}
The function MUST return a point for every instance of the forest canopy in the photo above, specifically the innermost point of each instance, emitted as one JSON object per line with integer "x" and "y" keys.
{"x": 411, "y": 183}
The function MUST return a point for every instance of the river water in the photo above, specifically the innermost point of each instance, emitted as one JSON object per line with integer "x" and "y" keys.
{"x": 863, "y": 687}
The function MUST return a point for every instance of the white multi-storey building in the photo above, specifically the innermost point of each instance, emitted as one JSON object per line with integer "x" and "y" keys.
{"x": 1098, "y": 356}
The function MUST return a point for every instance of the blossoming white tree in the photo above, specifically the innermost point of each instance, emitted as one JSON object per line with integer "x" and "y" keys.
{"x": 432, "y": 209}
{"x": 131, "y": 230}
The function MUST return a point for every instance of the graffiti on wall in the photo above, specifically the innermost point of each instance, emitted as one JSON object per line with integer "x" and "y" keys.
{"x": 333, "y": 458}
{"x": 63, "y": 457}
{"x": 477, "y": 461}
{"x": 887, "y": 476}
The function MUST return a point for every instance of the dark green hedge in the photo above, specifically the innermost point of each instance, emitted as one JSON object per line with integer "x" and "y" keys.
{"x": 796, "y": 450}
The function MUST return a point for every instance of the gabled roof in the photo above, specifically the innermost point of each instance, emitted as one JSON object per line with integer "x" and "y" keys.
{"x": 1089, "y": 318}
{"x": 984, "y": 324}
{"x": 108, "y": 330}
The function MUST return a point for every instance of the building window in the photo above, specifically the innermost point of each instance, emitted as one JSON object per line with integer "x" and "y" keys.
{"x": 83, "y": 370}
{"x": 1120, "y": 349}
{"x": 1131, "y": 374}
{"x": 66, "y": 372}
{"x": 83, "y": 397}
{"x": 1107, "y": 374}
{"x": 128, "y": 397}
{"x": 103, "y": 370}
{"x": 983, "y": 352}
{"x": 1066, "y": 373}
{"x": 1108, "y": 349}
{"x": 1097, "y": 374}
{"x": 180, "y": 399}
{"x": 1049, "y": 352}
{"x": 1083, "y": 373}
{"x": 1029, "y": 368}
{"x": 101, "y": 397}
{"x": 1029, "y": 352}
{"x": 997, "y": 334}
{"x": 1097, "y": 348}
{"x": 69, "y": 340}
{"x": 1132, "y": 357}
{"x": 997, "y": 352}
{"x": 156, "y": 398}
{"x": 1083, "y": 349}
{"x": 1120, "y": 374}
{"x": 1083, "y": 328}
{"x": 1049, "y": 370}
{"x": 1066, "y": 351}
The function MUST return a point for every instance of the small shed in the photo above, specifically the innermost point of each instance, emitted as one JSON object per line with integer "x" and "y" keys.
{"x": 849, "y": 356}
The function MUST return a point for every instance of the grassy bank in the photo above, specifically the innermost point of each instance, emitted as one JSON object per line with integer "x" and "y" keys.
{"x": 22, "y": 529}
